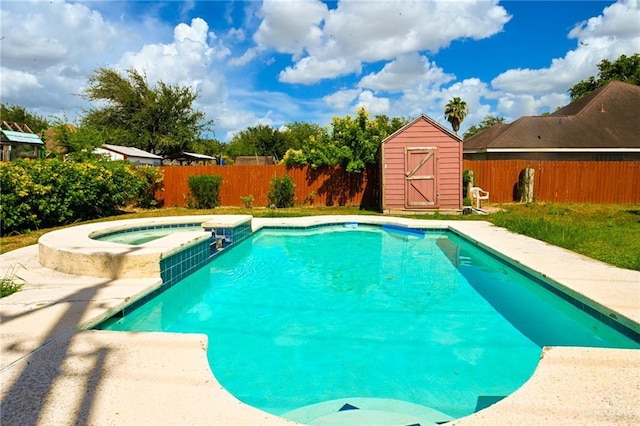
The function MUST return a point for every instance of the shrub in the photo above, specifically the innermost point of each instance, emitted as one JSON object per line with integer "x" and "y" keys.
{"x": 205, "y": 191}
{"x": 282, "y": 192}
{"x": 467, "y": 178}
{"x": 153, "y": 182}
{"x": 11, "y": 283}
{"x": 309, "y": 198}
{"x": 44, "y": 193}
{"x": 247, "y": 201}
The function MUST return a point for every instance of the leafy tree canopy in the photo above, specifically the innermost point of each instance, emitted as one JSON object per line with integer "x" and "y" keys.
{"x": 260, "y": 140}
{"x": 455, "y": 112}
{"x": 17, "y": 114}
{"x": 486, "y": 122}
{"x": 625, "y": 68}
{"x": 78, "y": 142}
{"x": 297, "y": 132}
{"x": 352, "y": 142}
{"x": 212, "y": 147}
{"x": 159, "y": 119}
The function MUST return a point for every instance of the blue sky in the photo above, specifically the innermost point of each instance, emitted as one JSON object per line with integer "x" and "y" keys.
{"x": 274, "y": 62}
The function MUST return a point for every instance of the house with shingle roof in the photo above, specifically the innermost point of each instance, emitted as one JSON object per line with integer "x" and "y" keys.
{"x": 602, "y": 126}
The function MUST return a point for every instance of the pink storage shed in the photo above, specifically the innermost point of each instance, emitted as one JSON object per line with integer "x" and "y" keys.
{"x": 421, "y": 168}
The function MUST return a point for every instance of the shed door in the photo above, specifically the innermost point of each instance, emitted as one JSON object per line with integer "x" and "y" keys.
{"x": 420, "y": 173}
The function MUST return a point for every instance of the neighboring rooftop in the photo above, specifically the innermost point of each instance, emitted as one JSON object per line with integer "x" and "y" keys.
{"x": 606, "y": 119}
{"x": 130, "y": 151}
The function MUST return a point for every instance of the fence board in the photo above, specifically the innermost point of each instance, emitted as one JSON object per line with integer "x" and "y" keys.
{"x": 320, "y": 187}
{"x": 561, "y": 181}
{"x": 555, "y": 181}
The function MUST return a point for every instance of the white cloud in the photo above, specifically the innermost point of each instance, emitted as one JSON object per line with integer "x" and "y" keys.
{"x": 291, "y": 26}
{"x": 14, "y": 82}
{"x": 373, "y": 31}
{"x": 309, "y": 70}
{"x": 339, "y": 41}
{"x": 342, "y": 98}
{"x": 236, "y": 34}
{"x": 405, "y": 72}
{"x": 247, "y": 57}
{"x": 621, "y": 19}
{"x": 512, "y": 106}
{"x": 431, "y": 100}
{"x": 374, "y": 105}
{"x": 614, "y": 33}
{"x": 53, "y": 46}
{"x": 185, "y": 61}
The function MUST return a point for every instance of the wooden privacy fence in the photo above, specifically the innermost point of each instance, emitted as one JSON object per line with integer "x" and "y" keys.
{"x": 561, "y": 181}
{"x": 320, "y": 187}
{"x": 554, "y": 181}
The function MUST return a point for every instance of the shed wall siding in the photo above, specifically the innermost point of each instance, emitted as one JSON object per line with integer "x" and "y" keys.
{"x": 449, "y": 165}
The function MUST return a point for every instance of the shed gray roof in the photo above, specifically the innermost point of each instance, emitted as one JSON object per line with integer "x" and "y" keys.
{"x": 22, "y": 137}
{"x": 607, "y": 119}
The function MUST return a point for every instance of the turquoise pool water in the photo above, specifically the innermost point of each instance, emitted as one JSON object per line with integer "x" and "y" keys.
{"x": 137, "y": 236}
{"x": 296, "y": 318}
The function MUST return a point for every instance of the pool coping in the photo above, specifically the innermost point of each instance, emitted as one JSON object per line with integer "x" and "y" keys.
{"x": 42, "y": 335}
{"x": 74, "y": 251}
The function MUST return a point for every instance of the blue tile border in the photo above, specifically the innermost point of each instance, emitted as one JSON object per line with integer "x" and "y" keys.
{"x": 355, "y": 225}
{"x": 181, "y": 264}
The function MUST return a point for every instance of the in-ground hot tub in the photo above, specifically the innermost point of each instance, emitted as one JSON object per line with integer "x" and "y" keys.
{"x": 75, "y": 251}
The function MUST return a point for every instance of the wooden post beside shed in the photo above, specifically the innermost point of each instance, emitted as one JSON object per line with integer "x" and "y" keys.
{"x": 421, "y": 169}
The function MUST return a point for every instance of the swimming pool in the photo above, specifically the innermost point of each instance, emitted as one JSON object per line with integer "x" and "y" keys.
{"x": 325, "y": 305}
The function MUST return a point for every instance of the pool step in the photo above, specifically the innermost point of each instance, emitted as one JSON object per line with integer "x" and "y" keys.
{"x": 366, "y": 411}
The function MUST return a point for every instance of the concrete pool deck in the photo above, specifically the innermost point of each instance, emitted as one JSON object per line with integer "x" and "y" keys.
{"x": 54, "y": 371}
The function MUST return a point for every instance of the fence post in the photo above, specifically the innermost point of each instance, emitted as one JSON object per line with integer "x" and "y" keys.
{"x": 526, "y": 185}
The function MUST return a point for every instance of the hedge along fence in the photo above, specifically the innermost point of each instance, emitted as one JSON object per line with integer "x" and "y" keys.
{"x": 560, "y": 181}
{"x": 40, "y": 194}
{"x": 319, "y": 187}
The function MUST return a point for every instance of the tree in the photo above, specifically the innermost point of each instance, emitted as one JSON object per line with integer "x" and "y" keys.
{"x": 212, "y": 147}
{"x": 158, "y": 119}
{"x": 353, "y": 142}
{"x": 486, "y": 122}
{"x": 625, "y": 68}
{"x": 298, "y": 132}
{"x": 455, "y": 112}
{"x": 70, "y": 139}
{"x": 260, "y": 140}
{"x": 17, "y": 114}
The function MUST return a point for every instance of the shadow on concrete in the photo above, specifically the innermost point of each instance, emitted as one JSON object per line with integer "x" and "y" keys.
{"x": 29, "y": 381}
{"x": 24, "y": 400}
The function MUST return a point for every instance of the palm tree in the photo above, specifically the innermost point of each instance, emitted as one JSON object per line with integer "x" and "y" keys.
{"x": 455, "y": 111}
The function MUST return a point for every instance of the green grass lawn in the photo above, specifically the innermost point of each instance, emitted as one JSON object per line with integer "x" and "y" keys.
{"x": 610, "y": 233}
